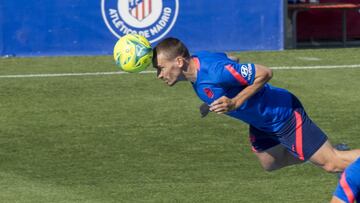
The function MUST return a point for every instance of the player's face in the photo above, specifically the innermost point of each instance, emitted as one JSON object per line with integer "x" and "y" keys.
{"x": 169, "y": 70}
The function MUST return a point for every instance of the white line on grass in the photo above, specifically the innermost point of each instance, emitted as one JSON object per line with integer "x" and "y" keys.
{"x": 69, "y": 74}
{"x": 315, "y": 67}
{"x": 309, "y": 58}
{"x": 146, "y": 72}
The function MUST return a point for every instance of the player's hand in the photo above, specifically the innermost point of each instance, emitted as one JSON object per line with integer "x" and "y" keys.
{"x": 222, "y": 105}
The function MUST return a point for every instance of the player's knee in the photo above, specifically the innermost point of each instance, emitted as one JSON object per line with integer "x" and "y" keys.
{"x": 269, "y": 167}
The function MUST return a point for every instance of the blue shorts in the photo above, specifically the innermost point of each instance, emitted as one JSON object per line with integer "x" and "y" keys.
{"x": 300, "y": 136}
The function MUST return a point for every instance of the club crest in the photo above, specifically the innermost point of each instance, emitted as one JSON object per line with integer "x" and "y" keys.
{"x": 140, "y": 9}
{"x": 152, "y": 19}
{"x": 209, "y": 93}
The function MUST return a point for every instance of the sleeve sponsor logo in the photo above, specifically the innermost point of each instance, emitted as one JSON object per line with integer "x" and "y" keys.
{"x": 246, "y": 71}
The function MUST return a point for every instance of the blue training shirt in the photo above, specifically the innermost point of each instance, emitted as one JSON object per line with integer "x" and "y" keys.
{"x": 348, "y": 188}
{"x": 218, "y": 76}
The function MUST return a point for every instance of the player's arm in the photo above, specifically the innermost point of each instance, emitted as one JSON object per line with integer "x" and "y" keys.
{"x": 224, "y": 104}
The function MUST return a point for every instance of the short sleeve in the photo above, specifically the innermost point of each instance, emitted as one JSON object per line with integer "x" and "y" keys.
{"x": 348, "y": 186}
{"x": 234, "y": 74}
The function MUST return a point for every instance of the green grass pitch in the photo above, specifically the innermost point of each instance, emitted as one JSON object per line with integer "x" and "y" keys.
{"x": 129, "y": 138}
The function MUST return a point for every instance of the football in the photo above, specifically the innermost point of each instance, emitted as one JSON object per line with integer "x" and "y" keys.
{"x": 132, "y": 53}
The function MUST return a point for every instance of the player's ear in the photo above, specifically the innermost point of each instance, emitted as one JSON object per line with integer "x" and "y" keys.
{"x": 179, "y": 61}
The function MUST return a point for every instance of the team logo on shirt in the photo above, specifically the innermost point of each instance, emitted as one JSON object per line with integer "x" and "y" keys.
{"x": 152, "y": 19}
{"x": 209, "y": 93}
{"x": 246, "y": 71}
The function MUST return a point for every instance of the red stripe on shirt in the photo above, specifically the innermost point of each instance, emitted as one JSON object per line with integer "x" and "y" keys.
{"x": 197, "y": 62}
{"x": 299, "y": 136}
{"x": 236, "y": 75}
{"x": 345, "y": 186}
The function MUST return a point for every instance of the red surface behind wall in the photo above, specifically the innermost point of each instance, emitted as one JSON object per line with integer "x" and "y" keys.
{"x": 326, "y": 25}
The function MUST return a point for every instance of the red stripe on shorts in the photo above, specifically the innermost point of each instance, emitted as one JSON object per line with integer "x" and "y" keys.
{"x": 299, "y": 136}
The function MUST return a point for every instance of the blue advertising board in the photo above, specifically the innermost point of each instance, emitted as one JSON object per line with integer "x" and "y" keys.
{"x": 81, "y": 27}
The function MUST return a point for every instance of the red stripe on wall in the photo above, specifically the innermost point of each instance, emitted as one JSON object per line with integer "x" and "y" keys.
{"x": 345, "y": 186}
{"x": 149, "y": 6}
{"x": 236, "y": 75}
{"x": 137, "y": 12}
{"x": 299, "y": 136}
{"x": 143, "y": 9}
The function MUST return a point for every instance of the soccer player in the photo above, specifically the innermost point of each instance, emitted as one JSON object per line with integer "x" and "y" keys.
{"x": 281, "y": 133}
{"x": 348, "y": 189}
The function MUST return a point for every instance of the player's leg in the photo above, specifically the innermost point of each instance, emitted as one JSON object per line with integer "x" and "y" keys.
{"x": 311, "y": 143}
{"x": 268, "y": 149}
{"x": 276, "y": 157}
{"x": 296, "y": 142}
{"x": 332, "y": 160}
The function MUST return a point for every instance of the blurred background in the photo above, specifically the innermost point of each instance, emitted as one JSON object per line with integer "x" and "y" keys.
{"x": 75, "y": 128}
{"x": 64, "y": 27}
